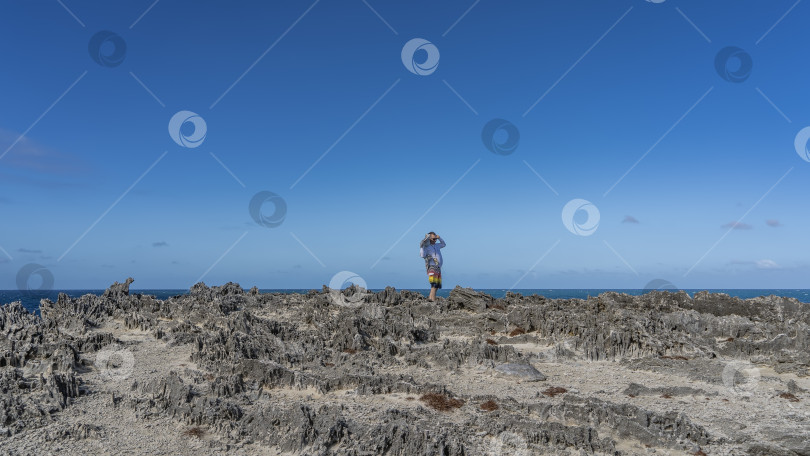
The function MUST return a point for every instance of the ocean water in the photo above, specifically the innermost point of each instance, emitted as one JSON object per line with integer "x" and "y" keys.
{"x": 30, "y": 299}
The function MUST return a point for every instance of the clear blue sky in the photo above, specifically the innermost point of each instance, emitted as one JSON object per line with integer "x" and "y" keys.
{"x": 718, "y": 201}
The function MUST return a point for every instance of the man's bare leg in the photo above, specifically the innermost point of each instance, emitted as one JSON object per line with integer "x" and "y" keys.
{"x": 432, "y": 296}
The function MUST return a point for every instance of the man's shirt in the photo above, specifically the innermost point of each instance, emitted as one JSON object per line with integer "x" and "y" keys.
{"x": 433, "y": 251}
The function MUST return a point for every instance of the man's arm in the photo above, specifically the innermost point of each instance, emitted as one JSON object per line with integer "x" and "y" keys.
{"x": 440, "y": 243}
{"x": 422, "y": 252}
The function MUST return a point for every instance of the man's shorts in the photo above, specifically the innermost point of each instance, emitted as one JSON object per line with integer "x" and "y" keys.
{"x": 435, "y": 276}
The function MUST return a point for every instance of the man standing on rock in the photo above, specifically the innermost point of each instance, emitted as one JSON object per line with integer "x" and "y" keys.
{"x": 430, "y": 250}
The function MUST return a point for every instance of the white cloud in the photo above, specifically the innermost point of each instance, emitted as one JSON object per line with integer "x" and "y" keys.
{"x": 759, "y": 264}
{"x": 767, "y": 264}
{"x": 737, "y": 226}
{"x": 27, "y": 154}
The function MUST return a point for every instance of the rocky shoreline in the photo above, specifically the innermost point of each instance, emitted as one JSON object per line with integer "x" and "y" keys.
{"x": 223, "y": 370}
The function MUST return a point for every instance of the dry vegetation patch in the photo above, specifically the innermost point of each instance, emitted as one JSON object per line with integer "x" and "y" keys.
{"x": 517, "y": 331}
{"x": 489, "y": 406}
{"x": 441, "y": 402}
{"x": 789, "y": 396}
{"x": 554, "y": 390}
{"x": 194, "y": 432}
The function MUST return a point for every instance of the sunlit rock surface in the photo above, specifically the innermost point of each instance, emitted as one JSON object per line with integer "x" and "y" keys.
{"x": 351, "y": 372}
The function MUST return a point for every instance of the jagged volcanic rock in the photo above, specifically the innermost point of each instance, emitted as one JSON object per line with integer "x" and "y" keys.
{"x": 352, "y": 372}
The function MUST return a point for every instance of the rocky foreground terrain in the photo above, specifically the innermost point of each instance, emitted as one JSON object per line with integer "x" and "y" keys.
{"x": 223, "y": 370}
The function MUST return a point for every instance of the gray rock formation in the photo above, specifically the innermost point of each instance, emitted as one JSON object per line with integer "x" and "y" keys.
{"x": 302, "y": 374}
{"x": 525, "y": 372}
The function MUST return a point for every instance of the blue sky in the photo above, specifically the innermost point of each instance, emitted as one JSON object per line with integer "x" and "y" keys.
{"x": 94, "y": 189}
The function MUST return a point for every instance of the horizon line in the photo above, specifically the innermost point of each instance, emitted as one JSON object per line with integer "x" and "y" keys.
{"x": 426, "y": 288}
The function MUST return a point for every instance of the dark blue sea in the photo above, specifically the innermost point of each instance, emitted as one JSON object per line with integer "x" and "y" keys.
{"x": 30, "y": 299}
